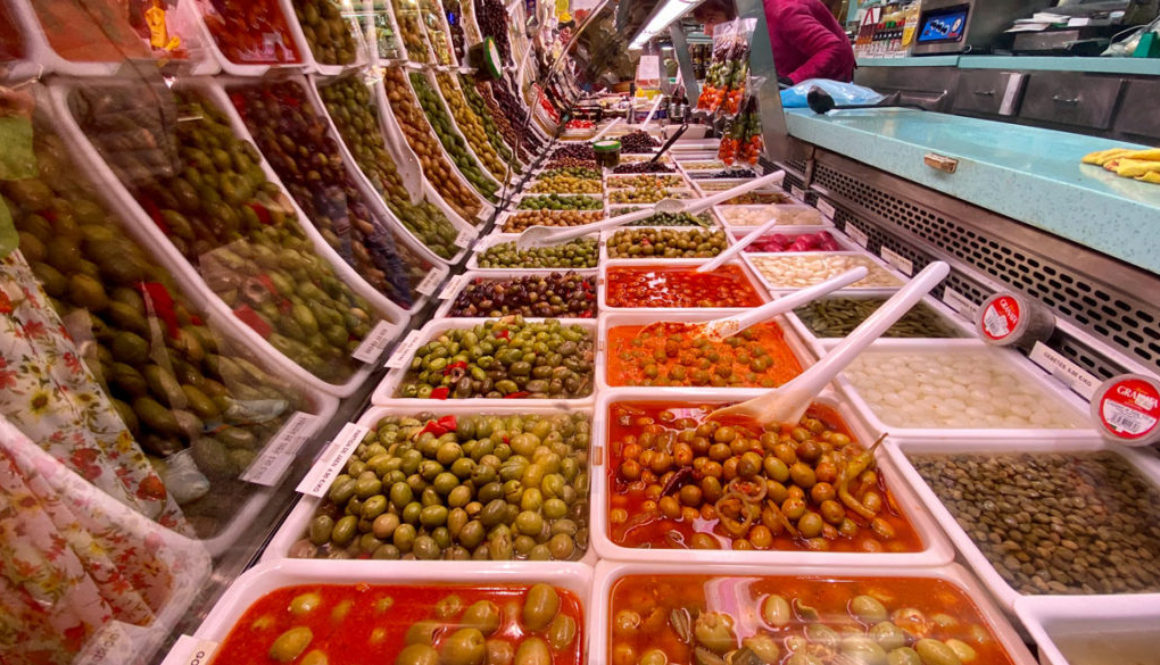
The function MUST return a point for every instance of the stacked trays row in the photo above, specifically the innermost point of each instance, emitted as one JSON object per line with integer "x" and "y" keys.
{"x": 537, "y": 480}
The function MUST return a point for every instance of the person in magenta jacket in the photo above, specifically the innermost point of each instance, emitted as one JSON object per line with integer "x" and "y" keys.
{"x": 807, "y": 42}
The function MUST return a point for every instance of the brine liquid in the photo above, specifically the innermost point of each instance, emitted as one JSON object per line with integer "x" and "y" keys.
{"x": 1110, "y": 648}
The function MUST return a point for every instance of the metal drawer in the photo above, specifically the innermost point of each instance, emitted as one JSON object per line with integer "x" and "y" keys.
{"x": 989, "y": 92}
{"x": 1138, "y": 112}
{"x": 1071, "y": 99}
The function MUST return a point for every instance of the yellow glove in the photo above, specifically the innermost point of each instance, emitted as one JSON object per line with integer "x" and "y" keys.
{"x": 1102, "y": 157}
{"x": 1134, "y": 168}
{"x": 1152, "y": 176}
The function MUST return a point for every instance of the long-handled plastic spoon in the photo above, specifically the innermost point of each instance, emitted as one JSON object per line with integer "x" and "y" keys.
{"x": 606, "y": 128}
{"x": 543, "y": 236}
{"x": 738, "y": 246}
{"x": 788, "y": 403}
{"x": 721, "y": 329}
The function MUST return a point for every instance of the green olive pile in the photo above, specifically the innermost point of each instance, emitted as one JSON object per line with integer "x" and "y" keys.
{"x": 837, "y": 317}
{"x": 222, "y": 214}
{"x": 560, "y": 202}
{"x": 407, "y": 15}
{"x": 353, "y": 111}
{"x": 491, "y": 110}
{"x": 666, "y": 243}
{"x": 1055, "y": 523}
{"x": 460, "y": 487}
{"x": 552, "y": 295}
{"x": 491, "y": 126}
{"x": 582, "y": 172}
{"x": 649, "y": 194}
{"x": 520, "y": 221}
{"x": 571, "y": 162}
{"x": 645, "y": 181}
{"x": 161, "y": 366}
{"x": 327, "y": 33}
{"x": 566, "y": 184}
{"x": 703, "y": 219}
{"x": 504, "y": 358}
{"x": 452, "y": 142}
{"x": 579, "y": 253}
{"x": 470, "y": 125}
{"x": 421, "y": 139}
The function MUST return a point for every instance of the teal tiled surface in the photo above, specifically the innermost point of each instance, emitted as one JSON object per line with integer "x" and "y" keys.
{"x": 1136, "y": 66}
{"x": 1030, "y": 174}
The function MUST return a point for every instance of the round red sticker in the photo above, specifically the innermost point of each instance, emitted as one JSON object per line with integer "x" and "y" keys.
{"x": 1001, "y": 317}
{"x": 1130, "y": 408}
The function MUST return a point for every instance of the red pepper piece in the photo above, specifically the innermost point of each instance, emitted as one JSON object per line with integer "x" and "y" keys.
{"x": 159, "y": 299}
{"x": 440, "y": 393}
{"x": 252, "y": 319}
{"x": 517, "y": 395}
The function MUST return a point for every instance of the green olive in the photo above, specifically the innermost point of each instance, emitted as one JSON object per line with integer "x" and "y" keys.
{"x": 533, "y": 651}
{"x": 540, "y": 607}
{"x": 344, "y": 530}
{"x": 448, "y": 607}
{"x": 561, "y": 632}
{"x": 863, "y": 651}
{"x": 964, "y": 651}
{"x": 320, "y": 529}
{"x": 775, "y": 611}
{"x": 422, "y": 632}
{"x": 903, "y": 656}
{"x": 418, "y": 654}
{"x": 888, "y": 635}
{"x": 305, "y": 603}
{"x": 933, "y": 652}
{"x": 290, "y": 644}
{"x": 764, "y": 647}
{"x": 316, "y": 657}
{"x": 483, "y": 615}
{"x": 654, "y": 657}
{"x": 499, "y": 652}
{"x": 465, "y": 647}
{"x": 714, "y": 631}
{"x": 819, "y": 633}
{"x": 803, "y": 658}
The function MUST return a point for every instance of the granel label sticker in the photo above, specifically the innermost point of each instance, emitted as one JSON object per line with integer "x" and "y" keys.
{"x": 1130, "y": 409}
{"x": 1001, "y": 317}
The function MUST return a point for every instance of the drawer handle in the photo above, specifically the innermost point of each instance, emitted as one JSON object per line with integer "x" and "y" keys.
{"x": 1065, "y": 100}
{"x": 985, "y": 93}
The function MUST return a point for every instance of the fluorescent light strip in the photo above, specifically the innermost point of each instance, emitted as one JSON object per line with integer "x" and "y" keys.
{"x": 670, "y": 11}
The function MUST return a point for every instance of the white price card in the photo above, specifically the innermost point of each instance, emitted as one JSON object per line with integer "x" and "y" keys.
{"x": 409, "y": 344}
{"x": 430, "y": 282}
{"x": 373, "y": 344}
{"x": 333, "y": 460}
{"x": 453, "y": 287}
{"x": 826, "y": 208}
{"x": 857, "y": 235}
{"x": 903, "y": 264}
{"x": 959, "y": 303}
{"x": 1070, "y": 374}
{"x": 279, "y": 452}
{"x": 188, "y": 650}
{"x": 464, "y": 238}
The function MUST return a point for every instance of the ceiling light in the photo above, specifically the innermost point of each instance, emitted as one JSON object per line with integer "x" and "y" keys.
{"x": 667, "y": 12}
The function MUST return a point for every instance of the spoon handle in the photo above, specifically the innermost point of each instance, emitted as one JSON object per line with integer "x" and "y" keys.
{"x": 795, "y": 299}
{"x": 577, "y": 231}
{"x": 738, "y": 246}
{"x": 708, "y": 202}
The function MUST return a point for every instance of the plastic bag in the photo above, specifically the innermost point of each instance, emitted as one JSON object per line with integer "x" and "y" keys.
{"x": 743, "y": 142}
{"x": 724, "y": 86}
{"x": 843, "y": 93}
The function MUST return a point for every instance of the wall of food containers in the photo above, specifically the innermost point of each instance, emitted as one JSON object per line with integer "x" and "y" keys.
{"x": 229, "y": 216}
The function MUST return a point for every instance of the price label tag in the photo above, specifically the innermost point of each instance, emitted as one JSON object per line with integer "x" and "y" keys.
{"x": 279, "y": 452}
{"x": 374, "y": 343}
{"x": 454, "y": 285}
{"x": 333, "y": 459}
{"x": 959, "y": 302}
{"x": 427, "y": 286}
{"x": 1072, "y": 375}
{"x": 798, "y": 193}
{"x": 399, "y": 358}
{"x": 826, "y": 208}
{"x": 903, "y": 264}
{"x": 464, "y": 238}
{"x": 857, "y": 235}
{"x": 189, "y": 650}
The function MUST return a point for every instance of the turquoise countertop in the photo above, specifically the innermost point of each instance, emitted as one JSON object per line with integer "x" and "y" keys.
{"x": 1030, "y": 174}
{"x": 1138, "y": 66}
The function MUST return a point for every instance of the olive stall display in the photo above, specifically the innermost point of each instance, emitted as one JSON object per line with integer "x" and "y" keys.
{"x": 470, "y": 125}
{"x": 576, "y": 254}
{"x": 419, "y": 134}
{"x": 296, "y": 144}
{"x": 506, "y": 122}
{"x": 492, "y": 18}
{"x": 327, "y": 32}
{"x": 499, "y": 133}
{"x": 565, "y": 184}
{"x": 459, "y": 487}
{"x": 431, "y": 13}
{"x": 525, "y": 219}
{"x": 557, "y": 294}
{"x": 410, "y": 25}
{"x": 355, "y": 114}
{"x": 508, "y": 358}
{"x": 454, "y": 145}
{"x": 514, "y": 110}
{"x": 219, "y": 211}
{"x": 658, "y": 243}
{"x": 165, "y": 371}
{"x": 560, "y": 202}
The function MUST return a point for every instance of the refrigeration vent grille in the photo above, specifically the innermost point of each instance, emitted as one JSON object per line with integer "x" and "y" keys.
{"x": 1114, "y": 316}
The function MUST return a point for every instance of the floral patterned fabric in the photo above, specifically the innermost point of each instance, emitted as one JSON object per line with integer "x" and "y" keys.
{"x": 76, "y": 566}
{"x": 51, "y": 396}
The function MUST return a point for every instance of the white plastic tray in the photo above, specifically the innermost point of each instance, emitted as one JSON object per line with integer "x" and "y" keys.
{"x": 616, "y": 180}
{"x": 1067, "y": 399}
{"x": 296, "y": 524}
{"x": 608, "y": 572}
{"x": 312, "y": 64}
{"x": 723, "y": 211}
{"x": 1004, "y": 593}
{"x": 454, "y": 287}
{"x": 740, "y": 232}
{"x": 774, "y": 288}
{"x": 147, "y": 234}
{"x": 495, "y": 239}
{"x": 503, "y": 217}
{"x": 606, "y": 266}
{"x": 608, "y": 234}
{"x": 625, "y": 208}
{"x": 936, "y": 550}
{"x": 242, "y": 69}
{"x": 272, "y": 575}
{"x": 384, "y": 394}
{"x": 1108, "y": 616}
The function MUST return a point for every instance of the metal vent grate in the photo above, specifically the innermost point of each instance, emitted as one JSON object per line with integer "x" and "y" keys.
{"x": 1119, "y": 318}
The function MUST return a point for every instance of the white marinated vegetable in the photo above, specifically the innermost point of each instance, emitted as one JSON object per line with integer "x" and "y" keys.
{"x": 787, "y": 271}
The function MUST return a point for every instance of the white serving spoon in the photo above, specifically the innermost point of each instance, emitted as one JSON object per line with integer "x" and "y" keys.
{"x": 739, "y": 246}
{"x": 544, "y": 236}
{"x": 606, "y": 128}
{"x": 721, "y": 329}
{"x": 788, "y": 403}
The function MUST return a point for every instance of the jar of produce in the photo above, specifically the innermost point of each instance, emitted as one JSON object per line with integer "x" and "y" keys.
{"x": 607, "y": 153}
{"x": 1010, "y": 319}
{"x": 485, "y": 57}
{"x": 1126, "y": 409}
